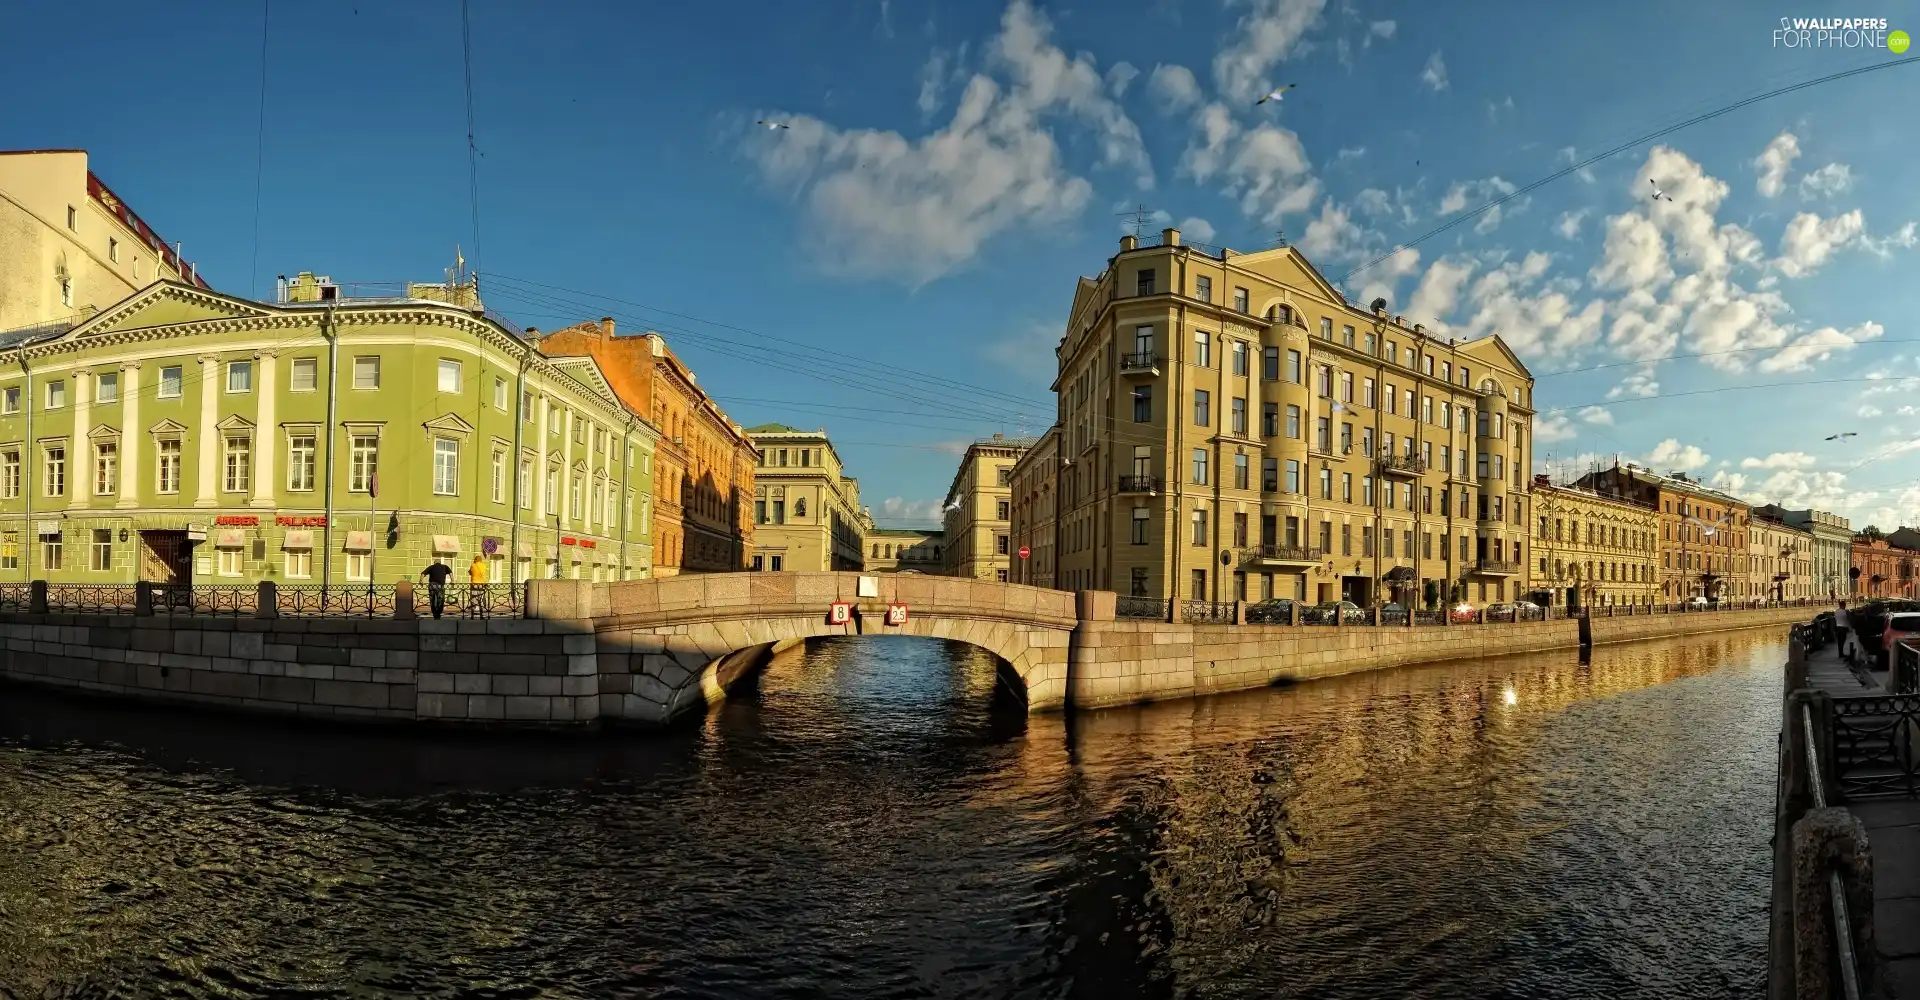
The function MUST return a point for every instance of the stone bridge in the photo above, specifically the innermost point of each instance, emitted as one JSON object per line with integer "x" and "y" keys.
{"x": 676, "y": 644}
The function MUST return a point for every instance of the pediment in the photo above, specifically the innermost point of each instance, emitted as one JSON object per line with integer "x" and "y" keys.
{"x": 235, "y": 422}
{"x": 1288, "y": 267}
{"x": 168, "y": 427}
{"x": 104, "y": 432}
{"x": 167, "y": 303}
{"x": 449, "y": 423}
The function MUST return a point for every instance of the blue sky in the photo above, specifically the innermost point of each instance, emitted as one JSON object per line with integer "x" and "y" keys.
{"x": 897, "y": 265}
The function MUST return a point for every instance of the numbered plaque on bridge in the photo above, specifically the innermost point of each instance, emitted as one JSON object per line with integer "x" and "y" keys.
{"x": 839, "y": 613}
{"x": 896, "y": 614}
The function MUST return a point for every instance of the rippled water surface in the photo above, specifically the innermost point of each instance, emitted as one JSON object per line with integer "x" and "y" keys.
{"x": 873, "y": 822}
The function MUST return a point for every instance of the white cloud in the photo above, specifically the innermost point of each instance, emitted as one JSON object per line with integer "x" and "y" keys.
{"x": 933, "y": 82}
{"x": 1596, "y": 415}
{"x": 1374, "y": 202}
{"x": 1197, "y": 229}
{"x": 917, "y": 511}
{"x": 1903, "y": 238}
{"x": 1028, "y": 350}
{"x": 1380, "y": 29}
{"x": 1384, "y": 277}
{"x": 1265, "y": 167}
{"x": 1818, "y": 345}
{"x": 1174, "y": 87}
{"x": 1810, "y": 240}
{"x": 880, "y": 204}
{"x": 1439, "y": 291}
{"x": 1868, "y": 411}
{"x": 1331, "y": 236}
{"x": 1672, "y": 455}
{"x": 1633, "y": 256}
{"x": 1265, "y": 36}
{"x": 1638, "y": 385}
{"x": 1435, "y": 73}
{"x": 1551, "y": 427}
{"x": 1476, "y": 191}
{"x": 1569, "y": 224}
{"x": 1908, "y": 411}
{"x": 1495, "y": 109}
{"x": 1533, "y": 322}
{"x": 1774, "y": 162}
{"x": 1571, "y": 157}
{"x": 1780, "y": 460}
{"x": 1830, "y": 180}
{"x": 1349, "y": 153}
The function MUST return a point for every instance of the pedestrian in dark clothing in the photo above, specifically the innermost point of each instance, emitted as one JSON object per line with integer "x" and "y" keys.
{"x": 437, "y": 575}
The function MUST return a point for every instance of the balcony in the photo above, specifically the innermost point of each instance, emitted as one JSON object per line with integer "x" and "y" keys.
{"x": 1140, "y": 484}
{"x": 1139, "y": 364}
{"x": 1283, "y": 555}
{"x": 1496, "y": 567}
{"x": 1407, "y": 466}
{"x": 1327, "y": 449}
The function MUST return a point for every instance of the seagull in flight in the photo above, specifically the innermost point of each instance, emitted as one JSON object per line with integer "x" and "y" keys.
{"x": 770, "y": 126}
{"x": 1658, "y": 195}
{"x": 1276, "y": 94}
{"x": 1842, "y": 434}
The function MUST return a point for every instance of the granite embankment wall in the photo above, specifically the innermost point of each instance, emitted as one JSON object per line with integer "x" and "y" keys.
{"x": 1127, "y": 662}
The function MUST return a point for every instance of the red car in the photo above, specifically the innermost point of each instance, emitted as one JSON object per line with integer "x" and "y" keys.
{"x": 1900, "y": 625}
{"x": 1462, "y": 614}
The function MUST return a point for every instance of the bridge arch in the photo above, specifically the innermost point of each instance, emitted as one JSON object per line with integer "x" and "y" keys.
{"x": 673, "y": 645}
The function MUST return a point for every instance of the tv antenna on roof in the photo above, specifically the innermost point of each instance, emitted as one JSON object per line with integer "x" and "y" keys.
{"x": 1137, "y": 218}
{"x": 1279, "y": 239}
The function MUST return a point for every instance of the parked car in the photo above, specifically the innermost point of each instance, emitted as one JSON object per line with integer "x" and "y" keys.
{"x": 1527, "y": 606}
{"x": 1697, "y": 602}
{"x": 1462, "y": 613}
{"x": 1345, "y": 612}
{"x": 1900, "y": 625}
{"x": 1272, "y": 611}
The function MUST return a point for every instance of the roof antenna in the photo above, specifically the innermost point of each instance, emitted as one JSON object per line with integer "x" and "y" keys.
{"x": 1137, "y": 218}
{"x": 1280, "y": 239}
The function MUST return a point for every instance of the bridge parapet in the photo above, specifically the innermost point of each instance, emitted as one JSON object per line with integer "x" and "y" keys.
{"x": 709, "y": 597}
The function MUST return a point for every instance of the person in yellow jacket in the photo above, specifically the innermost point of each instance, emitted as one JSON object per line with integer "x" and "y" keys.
{"x": 476, "y": 596}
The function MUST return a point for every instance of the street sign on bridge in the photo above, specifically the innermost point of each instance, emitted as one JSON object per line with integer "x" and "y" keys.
{"x": 1025, "y": 552}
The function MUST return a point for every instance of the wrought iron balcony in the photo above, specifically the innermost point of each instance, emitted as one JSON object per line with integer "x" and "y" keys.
{"x": 1402, "y": 465}
{"x": 1140, "y": 364}
{"x": 1139, "y": 484}
{"x": 1496, "y": 567}
{"x": 1295, "y": 554}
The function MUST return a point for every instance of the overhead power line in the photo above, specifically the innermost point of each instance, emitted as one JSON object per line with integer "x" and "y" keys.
{"x": 473, "y": 149}
{"x": 1708, "y": 354}
{"x": 1621, "y": 148}
{"x": 260, "y": 147}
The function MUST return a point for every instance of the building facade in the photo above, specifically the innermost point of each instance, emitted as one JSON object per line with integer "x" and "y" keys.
{"x": 1232, "y": 427}
{"x": 1832, "y": 553}
{"x": 806, "y": 510}
{"x": 1703, "y": 532}
{"x": 706, "y": 462}
{"x": 183, "y": 436}
{"x": 71, "y": 247}
{"x": 895, "y": 550}
{"x": 1885, "y": 569}
{"x": 979, "y": 510}
{"x": 1593, "y": 549}
{"x": 1035, "y": 504}
{"x": 1779, "y": 559}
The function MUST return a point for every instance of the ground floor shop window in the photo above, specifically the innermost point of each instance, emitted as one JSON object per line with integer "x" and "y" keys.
{"x": 230, "y": 562}
{"x": 299, "y": 564}
{"x": 359, "y": 565}
{"x": 50, "y": 552}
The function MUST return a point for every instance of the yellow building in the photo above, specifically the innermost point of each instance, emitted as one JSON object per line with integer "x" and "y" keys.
{"x": 71, "y": 247}
{"x": 1035, "y": 504}
{"x": 806, "y": 511}
{"x": 979, "y": 509}
{"x": 1779, "y": 560}
{"x": 898, "y": 550}
{"x": 1592, "y": 548}
{"x": 1238, "y": 429}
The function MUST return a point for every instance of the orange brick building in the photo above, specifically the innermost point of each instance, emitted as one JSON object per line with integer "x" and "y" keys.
{"x": 703, "y": 478}
{"x": 1885, "y": 570}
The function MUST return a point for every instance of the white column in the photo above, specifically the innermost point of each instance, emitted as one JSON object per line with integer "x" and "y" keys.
{"x": 131, "y": 435}
{"x": 566, "y": 468}
{"x": 266, "y": 434}
{"x": 598, "y": 512}
{"x": 80, "y": 454}
{"x": 539, "y": 484}
{"x": 208, "y": 494}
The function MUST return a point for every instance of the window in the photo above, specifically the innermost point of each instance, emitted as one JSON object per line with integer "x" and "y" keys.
{"x": 576, "y": 495}
{"x": 1203, "y": 349}
{"x": 526, "y": 406}
{"x": 237, "y": 462}
{"x": 1346, "y": 335}
{"x": 73, "y": 219}
{"x": 106, "y": 468}
{"x": 1366, "y": 393}
{"x": 1239, "y": 531}
{"x": 1137, "y": 532}
{"x": 1000, "y": 544}
{"x": 1238, "y": 352}
{"x": 1366, "y": 490}
{"x": 10, "y": 550}
{"x": 232, "y": 562}
{"x": 1293, "y": 475}
{"x": 50, "y": 552}
{"x": 1002, "y": 510}
{"x": 1366, "y": 441}
{"x": 102, "y": 550}
{"x": 1325, "y": 382}
{"x": 1346, "y": 387}
{"x": 1203, "y": 288}
{"x": 1326, "y": 484}
{"x": 239, "y": 376}
{"x": 1199, "y": 466}
{"x": 366, "y": 372}
{"x": 169, "y": 383}
{"x": 10, "y": 473}
{"x": 1238, "y": 411}
{"x": 1346, "y": 487}
{"x": 448, "y": 376}
{"x": 106, "y": 388}
{"x": 499, "y": 476}
{"x": 1199, "y": 528}
{"x": 167, "y": 468}
{"x": 113, "y": 250}
{"x": 1326, "y": 328}
{"x": 10, "y": 399}
{"x": 1293, "y": 368}
{"x": 1269, "y": 475}
{"x": 446, "y": 468}
{"x": 1270, "y": 364}
{"x": 1269, "y": 419}
{"x": 1240, "y": 467}
{"x": 1143, "y": 282}
{"x": 56, "y": 467}
{"x": 1239, "y": 300}
{"x": 299, "y": 563}
{"x": 56, "y": 393}
{"x": 1202, "y": 408}
{"x": 363, "y": 462}
{"x": 301, "y": 449}
{"x": 1005, "y": 475}
{"x": 1142, "y": 404}
{"x": 1293, "y": 421}
{"x": 66, "y": 292}
{"x": 551, "y": 494}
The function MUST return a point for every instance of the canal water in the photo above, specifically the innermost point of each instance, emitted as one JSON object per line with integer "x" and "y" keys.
{"x": 875, "y": 822}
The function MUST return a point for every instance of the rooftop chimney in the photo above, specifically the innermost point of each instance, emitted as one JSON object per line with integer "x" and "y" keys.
{"x": 606, "y": 327}
{"x": 1128, "y": 242}
{"x": 1419, "y": 328}
{"x": 1170, "y": 237}
{"x": 533, "y": 332}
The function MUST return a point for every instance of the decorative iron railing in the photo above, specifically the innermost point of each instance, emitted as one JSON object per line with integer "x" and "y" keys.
{"x": 1270, "y": 614}
{"x": 16, "y": 597}
{"x": 1402, "y": 465}
{"x": 1285, "y": 553}
{"x": 1148, "y": 609}
{"x": 1210, "y": 612}
{"x": 1873, "y": 746}
{"x": 482, "y": 600}
{"x": 91, "y": 599}
{"x": 1434, "y": 617}
{"x": 1139, "y": 362}
{"x": 1498, "y": 614}
{"x": 1393, "y": 616}
{"x": 1139, "y": 484}
{"x": 217, "y": 599}
{"x": 335, "y": 601}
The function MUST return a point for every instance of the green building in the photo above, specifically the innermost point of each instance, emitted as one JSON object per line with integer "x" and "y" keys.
{"x": 186, "y": 436}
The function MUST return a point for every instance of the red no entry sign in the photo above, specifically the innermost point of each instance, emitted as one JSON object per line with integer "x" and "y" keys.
{"x": 1025, "y": 552}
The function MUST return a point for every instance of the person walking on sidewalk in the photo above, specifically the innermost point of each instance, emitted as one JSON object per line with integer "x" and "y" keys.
{"x": 437, "y": 574}
{"x": 477, "y": 589}
{"x": 1849, "y": 645}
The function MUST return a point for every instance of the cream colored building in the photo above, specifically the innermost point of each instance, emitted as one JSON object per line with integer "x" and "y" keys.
{"x": 895, "y": 550}
{"x": 1035, "y": 477}
{"x": 69, "y": 246}
{"x": 979, "y": 509}
{"x": 806, "y": 510}
{"x": 1779, "y": 560}
{"x": 1593, "y": 549}
{"x": 1237, "y": 429}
